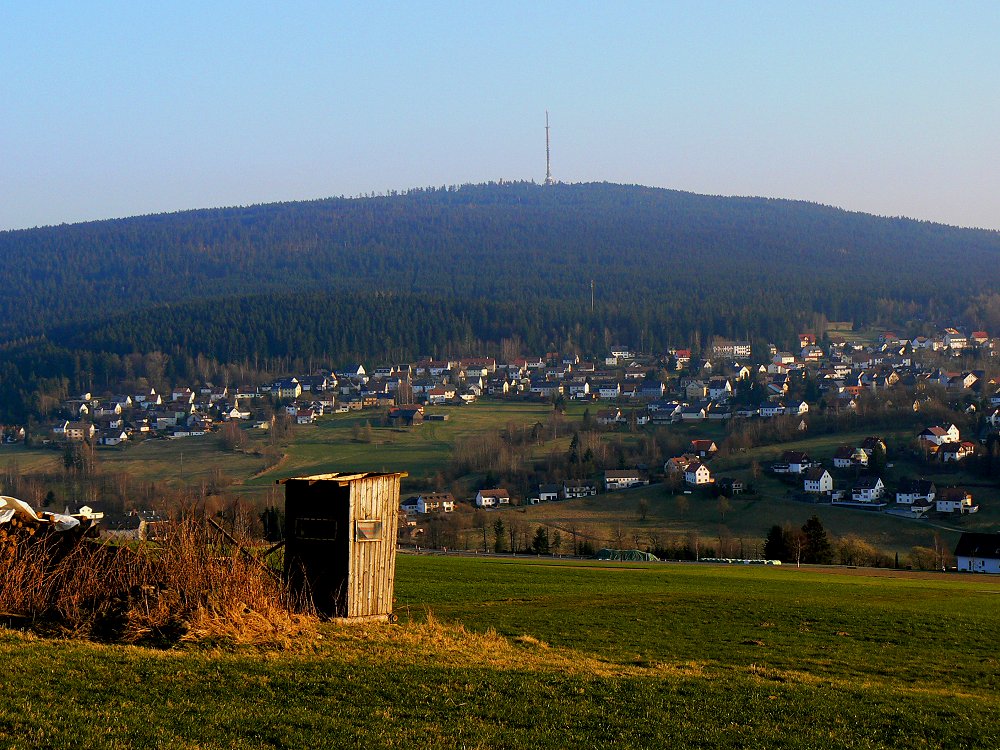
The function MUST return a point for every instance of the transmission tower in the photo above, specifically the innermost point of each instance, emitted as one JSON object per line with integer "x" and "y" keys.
{"x": 548, "y": 164}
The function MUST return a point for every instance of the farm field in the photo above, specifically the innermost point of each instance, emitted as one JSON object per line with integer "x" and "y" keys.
{"x": 529, "y": 654}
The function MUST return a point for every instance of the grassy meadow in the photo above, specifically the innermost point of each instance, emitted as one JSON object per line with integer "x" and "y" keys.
{"x": 548, "y": 654}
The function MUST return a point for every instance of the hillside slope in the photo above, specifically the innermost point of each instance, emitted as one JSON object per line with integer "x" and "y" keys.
{"x": 495, "y": 242}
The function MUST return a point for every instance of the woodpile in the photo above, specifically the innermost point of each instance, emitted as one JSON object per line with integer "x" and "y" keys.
{"x": 25, "y": 528}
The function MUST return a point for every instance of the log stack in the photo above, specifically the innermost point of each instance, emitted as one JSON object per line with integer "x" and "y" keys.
{"x": 21, "y": 526}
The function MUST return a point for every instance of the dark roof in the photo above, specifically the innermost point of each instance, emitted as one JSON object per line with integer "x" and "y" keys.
{"x": 622, "y": 473}
{"x": 916, "y": 486}
{"x": 866, "y": 482}
{"x": 952, "y": 493}
{"x": 978, "y": 545}
{"x": 794, "y": 457}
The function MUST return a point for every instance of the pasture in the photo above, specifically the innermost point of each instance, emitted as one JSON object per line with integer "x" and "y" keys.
{"x": 548, "y": 654}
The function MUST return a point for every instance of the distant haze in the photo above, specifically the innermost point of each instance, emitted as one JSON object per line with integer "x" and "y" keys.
{"x": 125, "y": 109}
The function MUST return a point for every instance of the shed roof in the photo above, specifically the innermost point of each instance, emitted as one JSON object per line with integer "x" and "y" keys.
{"x": 342, "y": 477}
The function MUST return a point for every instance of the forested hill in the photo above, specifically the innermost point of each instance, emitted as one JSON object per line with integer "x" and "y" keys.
{"x": 735, "y": 256}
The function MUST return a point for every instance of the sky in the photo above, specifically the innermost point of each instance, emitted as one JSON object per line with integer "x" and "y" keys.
{"x": 113, "y": 109}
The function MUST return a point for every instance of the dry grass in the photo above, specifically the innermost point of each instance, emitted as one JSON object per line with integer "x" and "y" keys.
{"x": 453, "y": 645}
{"x": 186, "y": 586}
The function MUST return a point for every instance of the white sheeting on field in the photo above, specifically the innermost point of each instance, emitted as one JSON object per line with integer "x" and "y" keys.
{"x": 11, "y": 506}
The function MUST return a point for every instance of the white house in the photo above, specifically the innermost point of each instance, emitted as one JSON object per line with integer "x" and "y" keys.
{"x": 954, "y": 500}
{"x": 719, "y": 389}
{"x": 578, "y": 488}
{"x": 492, "y": 498}
{"x": 910, "y": 491}
{"x": 285, "y": 389}
{"x": 798, "y": 462}
{"x": 352, "y": 370}
{"x": 867, "y": 489}
{"x": 112, "y": 437}
{"x": 182, "y": 395}
{"x": 697, "y": 474}
{"x": 939, "y": 435}
{"x": 693, "y": 412}
{"x": 609, "y": 391}
{"x": 548, "y": 493}
{"x": 954, "y": 340}
{"x": 797, "y": 408}
{"x": 771, "y": 410}
{"x": 608, "y": 417}
{"x": 846, "y": 457}
{"x": 817, "y": 480}
{"x": 620, "y": 480}
{"x": 956, "y": 451}
{"x": 978, "y": 553}
{"x": 435, "y": 502}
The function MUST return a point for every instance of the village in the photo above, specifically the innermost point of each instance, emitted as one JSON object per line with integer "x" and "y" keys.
{"x": 728, "y": 384}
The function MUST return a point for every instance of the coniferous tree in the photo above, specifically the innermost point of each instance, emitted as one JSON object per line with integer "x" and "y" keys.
{"x": 817, "y": 549}
{"x": 776, "y": 545}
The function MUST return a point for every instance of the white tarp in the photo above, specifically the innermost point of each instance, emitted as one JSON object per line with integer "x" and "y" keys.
{"x": 11, "y": 506}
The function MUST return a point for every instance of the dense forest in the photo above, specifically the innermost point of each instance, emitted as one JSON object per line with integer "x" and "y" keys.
{"x": 464, "y": 270}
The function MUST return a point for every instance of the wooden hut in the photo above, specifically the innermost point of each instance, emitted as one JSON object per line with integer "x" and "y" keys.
{"x": 340, "y": 542}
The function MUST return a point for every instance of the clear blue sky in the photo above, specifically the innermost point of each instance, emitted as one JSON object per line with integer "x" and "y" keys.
{"x": 114, "y": 108}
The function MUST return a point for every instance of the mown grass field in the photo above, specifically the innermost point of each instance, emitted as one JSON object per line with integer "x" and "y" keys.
{"x": 528, "y": 654}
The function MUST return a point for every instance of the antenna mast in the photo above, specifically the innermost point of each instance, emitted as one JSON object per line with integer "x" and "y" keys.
{"x": 548, "y": 169}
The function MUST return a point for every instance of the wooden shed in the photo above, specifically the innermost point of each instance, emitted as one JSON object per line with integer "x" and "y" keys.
{"x": 340, "y": 542}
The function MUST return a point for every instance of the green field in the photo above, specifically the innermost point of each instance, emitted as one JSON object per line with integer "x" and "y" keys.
{"x": 526, "y": 654}
{"x": 329, "y": 445}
